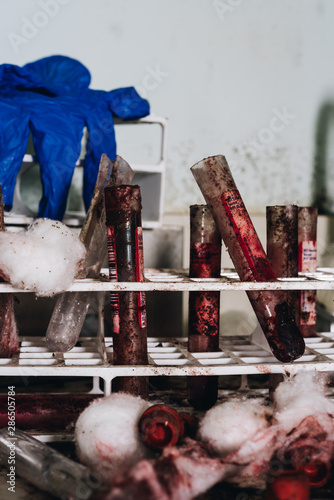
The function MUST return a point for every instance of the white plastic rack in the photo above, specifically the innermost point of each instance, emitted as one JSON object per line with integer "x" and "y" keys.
{"x": 169, "y": 356}
{"x": 173, "y": 280}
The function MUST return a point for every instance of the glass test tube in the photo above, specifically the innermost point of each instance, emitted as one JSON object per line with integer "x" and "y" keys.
{"x": 203, "y": 319}
{"x": 46, "y": 468}
{"x": 282, "y": 253}
{"x": 307, "y": 239}
{"x": 71, "y": 307}
{"x": 282, "y": 240}
{"x": 40, "y": 412}
{"x": 126, "y": 263}
{"x": 251, "y": 263}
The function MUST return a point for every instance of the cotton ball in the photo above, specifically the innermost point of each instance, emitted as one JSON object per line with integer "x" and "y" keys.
{"x": 227, "y": 426}
{"x": 107, "y": 435}
{"x": 300, "y": 397}
{"x": 44, "y": 258}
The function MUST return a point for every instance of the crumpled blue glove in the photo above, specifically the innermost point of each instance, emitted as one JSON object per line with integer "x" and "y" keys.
{"x": 51, "y": 99}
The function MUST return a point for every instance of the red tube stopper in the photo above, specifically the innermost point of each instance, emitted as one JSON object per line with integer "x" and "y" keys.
{"x": 318, "y": 473}
{"x": 160, "y": 426}
{"x": 290, "y": 485}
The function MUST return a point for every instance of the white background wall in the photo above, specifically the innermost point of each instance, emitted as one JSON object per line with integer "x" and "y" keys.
{"x": 222, "y": 70}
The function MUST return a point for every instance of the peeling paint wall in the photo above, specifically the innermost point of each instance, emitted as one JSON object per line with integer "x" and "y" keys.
{"x": 244, "y": 78}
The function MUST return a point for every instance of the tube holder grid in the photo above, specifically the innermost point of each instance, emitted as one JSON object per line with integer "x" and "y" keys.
{"x": 176, "y": 280}
{"x": 92, "y": 357}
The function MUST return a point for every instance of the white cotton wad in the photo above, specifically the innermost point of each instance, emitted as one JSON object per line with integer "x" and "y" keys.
{"x": 299, "y": 397}
{"x": 229, "y": 425}
{"x": 44, "y": 258}
{"x": 107, "y": 436}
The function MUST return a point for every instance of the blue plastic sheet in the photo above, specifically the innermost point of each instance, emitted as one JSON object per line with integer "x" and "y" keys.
{"x": 51, "y": 99}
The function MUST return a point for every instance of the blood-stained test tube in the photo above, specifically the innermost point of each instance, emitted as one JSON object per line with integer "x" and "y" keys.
{"x": 9, "y": 343}
{"x": 282, "y": 253}
{"x": 41, "y": 412}
{"x": 203, "y": 323}
{"x": 47, "y": 469}
{"x": 126, "y": 263}
{"x": 282, "y": 240}
{"x": 307, "y": 240}
{"x": 251, "y": 263}
{"x": 71, "y": 307}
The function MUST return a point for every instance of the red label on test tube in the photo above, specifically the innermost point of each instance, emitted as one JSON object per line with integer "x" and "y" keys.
{"x": 112, "y": 261}
{"x": 247, "y": 236}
